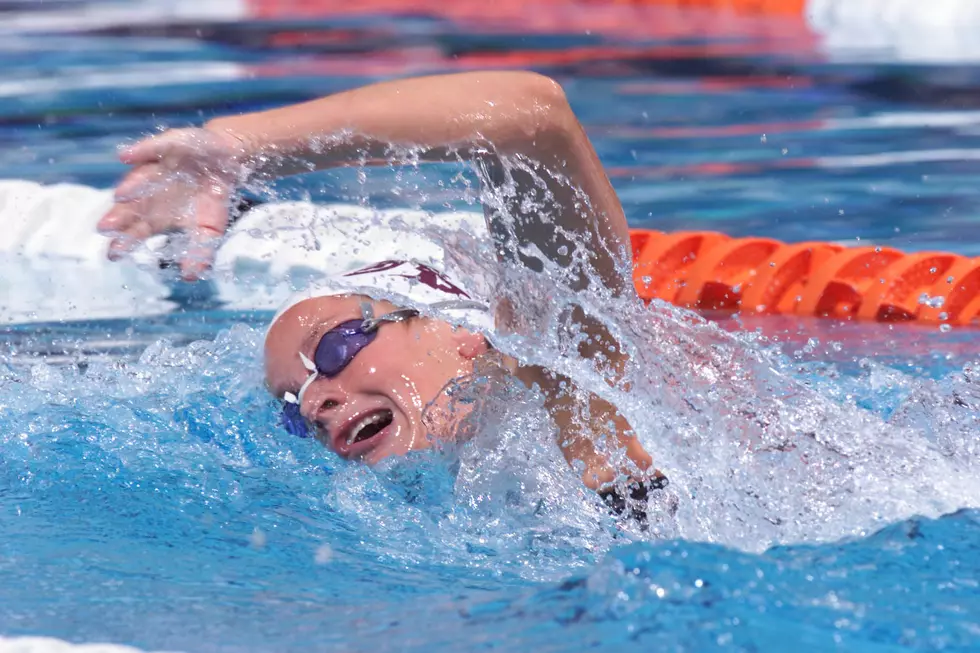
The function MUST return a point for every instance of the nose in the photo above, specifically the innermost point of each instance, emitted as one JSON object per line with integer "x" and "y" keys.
{"x": 322, "y": 398}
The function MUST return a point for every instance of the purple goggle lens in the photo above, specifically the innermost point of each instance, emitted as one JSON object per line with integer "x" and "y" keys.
{"x": 339, "y": 346}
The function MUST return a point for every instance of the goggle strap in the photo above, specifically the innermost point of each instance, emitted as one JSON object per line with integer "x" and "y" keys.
{"x": 460, "y": 305}
{"x": 371, "y": 323}
{"x": 306, "y": 384}
{"x": 307, "y": 363}
{"x": 367, "y": 312}
{"x": 311, "y": 368}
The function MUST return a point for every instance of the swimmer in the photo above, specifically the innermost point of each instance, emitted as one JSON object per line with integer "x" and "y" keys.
{"x": 354, "y": 368}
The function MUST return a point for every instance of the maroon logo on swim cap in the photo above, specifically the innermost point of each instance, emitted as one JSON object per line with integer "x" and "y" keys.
{"x": 383, "y": 266}
{"x": 422, "y": 273}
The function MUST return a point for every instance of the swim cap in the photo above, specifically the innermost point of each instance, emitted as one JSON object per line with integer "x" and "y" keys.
{"x": 406, "y": 284}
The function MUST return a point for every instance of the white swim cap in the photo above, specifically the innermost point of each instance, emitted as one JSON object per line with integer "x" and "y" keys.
{"x": 406, "y": 284}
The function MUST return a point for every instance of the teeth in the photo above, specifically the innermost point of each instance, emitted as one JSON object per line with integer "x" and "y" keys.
{"x": 364, "y": 422}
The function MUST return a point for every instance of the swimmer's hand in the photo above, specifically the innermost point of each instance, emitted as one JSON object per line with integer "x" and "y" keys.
{"x": 181, "y": 181}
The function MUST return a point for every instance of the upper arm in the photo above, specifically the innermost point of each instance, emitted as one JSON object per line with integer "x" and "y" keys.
{"x": 547, "y": 186}
{"x": 551, "y": 191}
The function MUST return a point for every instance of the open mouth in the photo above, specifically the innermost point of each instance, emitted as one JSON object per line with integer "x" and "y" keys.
{"x": 369, "y": 426}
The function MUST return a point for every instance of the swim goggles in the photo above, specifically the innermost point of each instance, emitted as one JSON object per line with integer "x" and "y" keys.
{"x": 335, "y": 351}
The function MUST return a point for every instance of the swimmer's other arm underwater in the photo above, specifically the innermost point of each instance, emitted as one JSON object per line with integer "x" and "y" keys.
{"x": 351, "y": 365}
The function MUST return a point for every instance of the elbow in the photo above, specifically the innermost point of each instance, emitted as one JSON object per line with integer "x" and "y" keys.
{"x": 542, "y": 89}
{"x": 531, "y": 115}
{"x": 549, "y": 103}
{"x": 545, "y": 114}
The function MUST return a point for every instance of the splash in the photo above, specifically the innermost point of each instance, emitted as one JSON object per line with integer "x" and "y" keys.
{"x": 760, "y": 448}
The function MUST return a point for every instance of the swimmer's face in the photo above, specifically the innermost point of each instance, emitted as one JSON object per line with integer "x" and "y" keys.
{"x": 388, "y": 383}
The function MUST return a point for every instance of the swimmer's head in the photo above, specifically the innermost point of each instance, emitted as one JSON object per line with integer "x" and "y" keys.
{"x": 359, "y": 372}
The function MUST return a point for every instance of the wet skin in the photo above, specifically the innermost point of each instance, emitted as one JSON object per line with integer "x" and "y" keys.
{"x": 407, "y": 366}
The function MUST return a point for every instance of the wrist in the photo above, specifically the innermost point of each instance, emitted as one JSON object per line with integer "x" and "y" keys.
{"x": 267, "y": 150}
{"x": 243, "y": 147}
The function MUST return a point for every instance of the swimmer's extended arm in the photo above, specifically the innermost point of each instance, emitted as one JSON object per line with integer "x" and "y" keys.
{"x": 495, "y": 118}
{"x": 484, "y": 116}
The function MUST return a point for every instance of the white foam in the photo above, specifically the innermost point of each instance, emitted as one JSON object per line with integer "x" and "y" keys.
{"x": 102, "y": 15}
{"x": 53, "y": 263}
{"x": 939, "y": 31}
{"x": 141, "y": 75}
{"x": 52, "y": 645}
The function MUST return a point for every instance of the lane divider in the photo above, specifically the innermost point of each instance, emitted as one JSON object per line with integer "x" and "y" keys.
{"x": 788, "y": 7}
{"x": 709, "y": 271}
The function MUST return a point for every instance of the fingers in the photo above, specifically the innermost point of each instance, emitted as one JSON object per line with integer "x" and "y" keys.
{"x": 173, "y": 186}
{"x": 211, "y": 218}
{"x": 138, "y": 182}
{"x": 204, "y": 217}
{"x": 126, "y": 241}
{"x": 200, "y": 254}
{"x": 124, "y": 221}
{"x": 211, "y": 209}
{"x": 118, "y": 219}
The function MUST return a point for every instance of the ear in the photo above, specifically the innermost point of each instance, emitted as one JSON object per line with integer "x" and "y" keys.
{"x": 469, "y": 345}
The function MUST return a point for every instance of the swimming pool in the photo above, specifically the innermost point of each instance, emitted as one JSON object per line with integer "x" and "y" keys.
{"x": 146, "y": 497}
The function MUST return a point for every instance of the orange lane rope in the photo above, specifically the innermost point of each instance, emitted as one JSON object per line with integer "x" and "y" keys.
{"x": 322, "y": 7}
{"x": 786, "y": 7}
{"x": 709, "y": 271}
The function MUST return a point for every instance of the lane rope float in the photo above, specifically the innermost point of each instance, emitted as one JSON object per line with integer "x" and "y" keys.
{"x": 709, "y": 271}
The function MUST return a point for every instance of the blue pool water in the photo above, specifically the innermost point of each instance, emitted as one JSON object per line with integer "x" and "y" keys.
{"x": 147, "y": 497}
